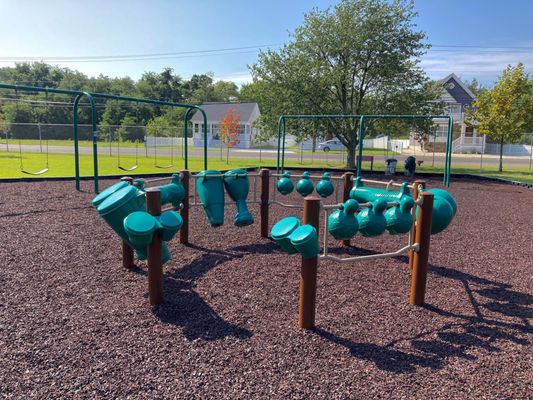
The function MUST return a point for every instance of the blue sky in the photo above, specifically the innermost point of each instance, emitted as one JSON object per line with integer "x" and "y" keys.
{"x": 61, "y": 28}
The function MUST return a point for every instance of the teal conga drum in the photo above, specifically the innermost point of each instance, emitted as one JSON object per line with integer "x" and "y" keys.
{"x": 237, "y": 185}
{"x": 108, "y": 192}
{"x": 210, "y": 189}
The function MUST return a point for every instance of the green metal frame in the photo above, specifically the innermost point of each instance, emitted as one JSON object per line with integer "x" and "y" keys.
{"x": 362, "y": 118}
{"x": 91, "y": 96}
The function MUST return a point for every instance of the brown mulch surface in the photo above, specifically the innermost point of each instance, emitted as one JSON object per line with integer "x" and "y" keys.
{"x": 74, "y": 324}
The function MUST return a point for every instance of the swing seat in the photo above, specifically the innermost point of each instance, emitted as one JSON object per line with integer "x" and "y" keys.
{"x": 42, "y": 171}
{"x": 128, "y": 169}
{"x": 164, "y": 166}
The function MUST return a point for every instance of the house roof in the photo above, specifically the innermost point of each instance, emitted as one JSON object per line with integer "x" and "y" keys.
{"x": 217, "y": 111}
{"x": 456, "y": 79}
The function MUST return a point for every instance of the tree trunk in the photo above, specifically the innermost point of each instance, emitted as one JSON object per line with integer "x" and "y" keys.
{"x": 350, "y": 156}
{"x": 501, "y": 154}
{"x": 227, "y": 155}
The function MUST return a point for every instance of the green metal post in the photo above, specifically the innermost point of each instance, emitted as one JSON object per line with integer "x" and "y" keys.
{"x": 94, "y": 138}
{"x": 448, "y": 158}
{"x": 283, "y": 146}
{"x": 361, "y": 138}
{"x": 281, "y": 118}
{"x": 76, "y": 144}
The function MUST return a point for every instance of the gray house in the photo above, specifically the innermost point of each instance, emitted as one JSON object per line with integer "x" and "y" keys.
{"x": 457, "y": 97}
{"x": 248, "y": 113}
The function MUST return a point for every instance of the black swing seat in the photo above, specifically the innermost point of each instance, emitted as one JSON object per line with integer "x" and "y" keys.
{"x": 164, "y": 166}
{"x": 128, "y": 169}
{"x": 42, "y": 171}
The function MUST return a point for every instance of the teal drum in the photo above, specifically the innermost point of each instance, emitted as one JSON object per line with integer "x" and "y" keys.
{"x": 285, "y": 185}
{"x": 342, "y": 223}
{"x": 442, "y": 214}
{"x": 324, "y": 187}
{"x": 399, "y": 218}
{"x": 210, "y": 189}
{"x": 364, "y": 194}
{"x": 237, "y": 185}
{"x": 172, "y": 193}
{"x": 108, "y": 192}
{"x": 169, "y": 223}
{"x": 116, "y": 207}
{"x": 447, "y": 196}
{"x": 281, "y": 232}
{"x": 371, "y": 220}
{"x": 140, "y": 227}
{"x": 305, "y": 185}
{"x": 305, "y": 240}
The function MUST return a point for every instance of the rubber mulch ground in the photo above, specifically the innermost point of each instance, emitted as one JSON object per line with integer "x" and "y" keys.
{"x": 74, "y": 324}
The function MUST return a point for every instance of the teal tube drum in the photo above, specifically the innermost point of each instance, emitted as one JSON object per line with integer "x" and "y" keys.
{"x": 237, "y": 185}
{"x": 210, "y": 189}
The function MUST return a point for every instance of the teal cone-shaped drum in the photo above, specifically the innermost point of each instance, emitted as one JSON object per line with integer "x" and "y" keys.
{"x": 237, "y": 186}
{"x": 211, "y": 193}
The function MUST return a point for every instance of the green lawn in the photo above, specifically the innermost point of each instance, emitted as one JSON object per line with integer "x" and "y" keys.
{"x": 62, "y": 165}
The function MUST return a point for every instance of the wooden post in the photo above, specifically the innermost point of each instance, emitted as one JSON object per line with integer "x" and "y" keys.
{"x": 421, "y": 257}
{"x": 265, "y": 195}
{"x": 127, "y": 251}
{"x": 308, "y": 273}
{"x": 413, "y": 229}
{"x": 184, "y": 231}
{"x": 347, "y": 185}
{"x": 155, "y": 254}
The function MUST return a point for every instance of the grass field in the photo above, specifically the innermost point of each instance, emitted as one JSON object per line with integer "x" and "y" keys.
{"x": 62, "y": 165}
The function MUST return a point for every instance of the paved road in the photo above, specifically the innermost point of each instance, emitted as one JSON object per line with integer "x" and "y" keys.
{"x": 473, "y": 160}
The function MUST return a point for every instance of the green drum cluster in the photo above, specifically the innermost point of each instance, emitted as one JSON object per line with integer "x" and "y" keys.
{"x": 305, "y": 186}
{"x": 444, "y": 206}
{"x": 123, "y": 207}
{"x": 210, "y": 187}
{"x": 296, "y": 238}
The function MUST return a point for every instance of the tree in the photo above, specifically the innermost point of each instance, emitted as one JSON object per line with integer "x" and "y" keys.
{"x": 229, "y": 130}
{"x": 504, "y": 112}
{"x": 361, "y": 56}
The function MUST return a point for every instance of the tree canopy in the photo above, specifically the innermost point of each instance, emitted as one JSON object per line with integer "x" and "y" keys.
{"x": 504, "y": 112}
{"x": 360, "y": 56}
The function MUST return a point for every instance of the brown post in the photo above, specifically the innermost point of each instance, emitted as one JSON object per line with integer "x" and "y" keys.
{"x": 155, "y": 254}
{"x": 308, "y": 273}
{"x": 127, "y": 251}
{"x": 413, "y": 229}
{"x": 265, "y": 195}
{"x": 184, "y": 231}
{"x": 347, "y": 185}
{"x": 420, "y": 259}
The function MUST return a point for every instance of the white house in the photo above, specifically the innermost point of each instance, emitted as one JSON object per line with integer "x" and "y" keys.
{"x": 215, "y": 112}
{"x": 457, "y": 97}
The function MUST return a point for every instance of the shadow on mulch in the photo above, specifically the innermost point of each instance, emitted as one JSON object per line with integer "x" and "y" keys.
{"x": 453, "y": 339}
{"x": 185, "y": 308}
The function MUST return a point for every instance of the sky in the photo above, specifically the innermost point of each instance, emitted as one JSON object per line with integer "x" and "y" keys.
{"x": 483, "y": 35}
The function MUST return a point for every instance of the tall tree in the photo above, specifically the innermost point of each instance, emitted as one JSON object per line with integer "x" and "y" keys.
{"x": 505, "y": 111}
{"x": 358, "y": 57}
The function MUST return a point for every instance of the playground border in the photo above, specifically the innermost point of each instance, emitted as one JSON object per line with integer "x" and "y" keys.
{"x": 336, "y": 170}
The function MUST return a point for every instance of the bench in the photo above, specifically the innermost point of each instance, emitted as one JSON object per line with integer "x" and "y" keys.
{"x": 369, "y": 159}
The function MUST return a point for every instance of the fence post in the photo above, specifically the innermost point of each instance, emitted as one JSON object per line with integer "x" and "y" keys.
{"x": 308, "y": 272}
{"x": 347, "y": 185}
{"x": 421, "y": 257}
{"x": 184, "y": 231}
{"x": 265, "y": 195}
{"x": 155, "y": 252}
{"x": 412, "y": 234}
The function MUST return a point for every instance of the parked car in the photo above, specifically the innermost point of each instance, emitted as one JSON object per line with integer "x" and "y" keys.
{"x": 333, "y": 144}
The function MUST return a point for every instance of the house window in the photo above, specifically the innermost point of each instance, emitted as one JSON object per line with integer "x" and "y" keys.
{"x": 454, "y": 108}
{"x": 197, "y": 128}
{"x": 442, "y": 130}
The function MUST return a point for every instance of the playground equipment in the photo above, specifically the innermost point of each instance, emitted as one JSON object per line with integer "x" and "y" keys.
{"x": 359, "y": 135}
{"x": 285, "y": 185}
{"x": 90, "y": 97}
{"x": 325, "y": 188}
{"x": 305, "y": 185}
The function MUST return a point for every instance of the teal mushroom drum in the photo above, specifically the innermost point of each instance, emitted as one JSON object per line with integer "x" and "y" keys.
{"x": 342, "y": 223}
{"x": 324, "y": 187}
{"x": 399, "y": 218}
{"x": 285, "y": 185}
{"x": 305, "y": 185}
{"x": 371, "y": 220}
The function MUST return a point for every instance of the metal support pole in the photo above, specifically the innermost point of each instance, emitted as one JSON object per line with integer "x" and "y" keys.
{"x": 412, "y": 233}
{"x": 265, "y": 195}
{"x": 155, "y": 254}
{"x": 127, "y": 251}
{"x": 308, "y": 274}
{"x": 184, "y": 231}
{"x": 346, "y": 188}
{"x": 421, "y": 257}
